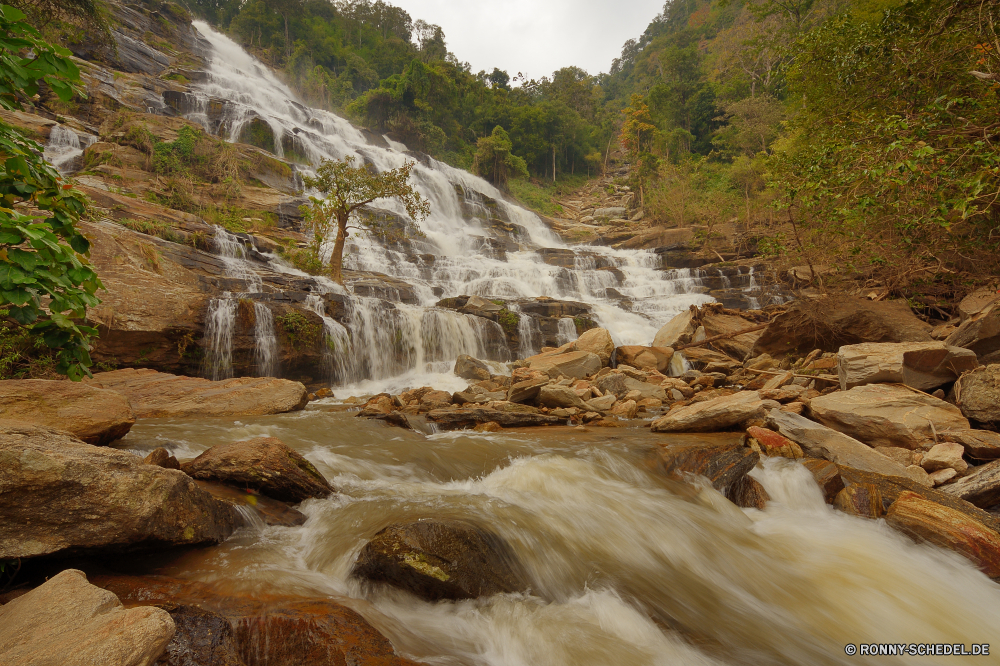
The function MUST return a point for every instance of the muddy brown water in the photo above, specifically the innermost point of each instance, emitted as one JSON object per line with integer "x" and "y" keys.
{"x": 625, "y": 567}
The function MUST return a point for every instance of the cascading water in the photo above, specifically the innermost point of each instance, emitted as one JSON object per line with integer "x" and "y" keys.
{"x": 64, "y": 147}
{"x": 220, "y": 323}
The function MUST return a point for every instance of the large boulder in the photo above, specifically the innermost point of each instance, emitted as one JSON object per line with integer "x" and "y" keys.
{"x": 645, "y": 358}
{"x": 980, "y": 332}
{"x": 711, "y": 415}
{"x": 722, "y": 464}
{"x": 596, "y": 341}
{"x": 977, "y": 394}
{"x": 612, "y": 383}
{"x": 440, "y": 559}
{"x": 929, "y": 521}
{"x": 922, "y": 365}
{"x": 818, "y": 441}
{"x": 470, "y": 368}
{"x": 60, "y": 495}
{"x": 676, "y": 331}
{"x": 573, "y": 364}
{"x": 834, "y": 321}
{"x": 560, "y": 396}
{"x": 981, "y": 487}
{"x": 266, "y": 464}
{"x": 95, "y": 415}
{"x": 160, "y": 395}
{"x": 527, "y": 390}
{"x": 886, "y": 415}
{"x": 68, "y": 621}
{"x": 718, "y": 321}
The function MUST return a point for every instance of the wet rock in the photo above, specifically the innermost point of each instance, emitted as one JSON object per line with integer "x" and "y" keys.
{"x": 440, "y": 559}
{"x": 161, "y": 458}
{"x": 94, "y": 415}
{"x": 834, "y": 321}
{"x": 747, "y": 493}
{"x": 712, "y": 415}
{"x": 265, "y": 464}
{"x": 977, "y": 394}
{"x": 980, "y": 444}
{"x": 769, "y": 443}
{"x": 470, "y": 368}
{"x": 378, "y": 404}
{"x": 884, "y": 415}
{"x": 922, "y": 365}
{"x": 722, "y": 464}
{"x": 945, "y": 455}
{"x": 574, "y": 364}
{"x": 454, "y": 419}
{"x": 67, "y": 620}
{"x": 271, "y": 511}
{"x": 980, "y": 332}
{"x": 981, "y": 487}
{"x": 61, "y": 495}
{"x": 827, "y": 477}
{"x": 929, "y": 521}
{"x": 596, "y": 341}
{"x": 202, "y": 638}
{"x": 645, "y": 358}
{"x": 679, "y": 330}
{"x": 560, "y": 396}
{"x": 490, "y": 426}
{"x": 436, "y": 400}
{"x": 818, "y": 441}
{"x": 861, "y": 499}
{"x": 160, "y": 395}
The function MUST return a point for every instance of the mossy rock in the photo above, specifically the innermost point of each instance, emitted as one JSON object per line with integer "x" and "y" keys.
{"x": 258, "y": 133}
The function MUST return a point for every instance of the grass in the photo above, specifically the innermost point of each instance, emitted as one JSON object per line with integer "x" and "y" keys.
{"x": 541, "y": 195}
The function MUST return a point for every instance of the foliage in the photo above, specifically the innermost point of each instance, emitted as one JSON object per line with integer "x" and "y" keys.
{"x": 347, "y": 189}
{"x": 152, "y": 228}
{"x": 298, "y": 329}
{"x": 42, "y": 255}
{"x": 89, "y": 15}
{"x": 508, "y": 321}
{"x": 495, "y": 162}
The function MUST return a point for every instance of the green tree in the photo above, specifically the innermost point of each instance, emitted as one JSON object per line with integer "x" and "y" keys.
{"x": 348, "y": 188}
{"x": 495, "y": 162}
{"x": 46, "y": 283}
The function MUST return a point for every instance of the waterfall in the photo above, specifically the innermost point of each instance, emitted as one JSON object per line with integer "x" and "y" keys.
{"x": 566, "y": 331}
{"x": 266, "y": 353}
{"x": 64, "y": 147}
{"x": 220, "y": 322}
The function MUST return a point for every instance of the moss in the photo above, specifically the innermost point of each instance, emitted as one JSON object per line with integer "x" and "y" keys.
{"x": 152, "y": 228}
{"x": 419, "y": 562}
{"x": 508, "y": 321}
{"x": 298, "y": 330}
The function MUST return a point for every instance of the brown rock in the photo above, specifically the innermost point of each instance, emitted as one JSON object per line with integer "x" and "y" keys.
{"x": 904, "y": 457}
{"x": 63, "y": 496}
{"x": 748, "y": 493}
{"x": 921, "y": 365}
{"x": 712, "y": 415}
{"x": 979, "y": 444}
{"x": 827, "y": 476}
{"x": 769, "y": 443}
{"x": 862, "y": 499}
{"x": 159, "y": 395}
{"x": 94, "y": 415}
{"x": 596, "y": 341}
{"x": 574, "y": 364}
{"x": 435, "y": 399}
{"x": 942, "y": 476}
{"x": 440, "y": 559}
{"x": 645, "y": 358}
{"x": 271, "y": 511}
{"x": 945, "y": 455}
{"x": 722, "y": 464}
{"x": 980, "y": 332}
{"x": 377, "y": 404}
{"x": 556, "y": 396}
{"x": 266, "y": 464}
{"x": 489, "y": 426}
{"x": 202, "y": 638}
{"x": 455, "y": 419}
{"x": 977, "y": 393}
{"x": 981, "y": 487}
{"x": 161, "y": 458}
{"x": 976, "y": 302}
{"x": 470, "y": 368}
{"x": 929, "y": 521}
{"x": 626, "y": 409}
{"x": 527, "y": 390}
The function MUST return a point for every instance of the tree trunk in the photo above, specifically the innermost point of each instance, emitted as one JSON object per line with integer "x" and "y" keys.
{"x": 553, "y": 163}
{"x": 337, "y": 258}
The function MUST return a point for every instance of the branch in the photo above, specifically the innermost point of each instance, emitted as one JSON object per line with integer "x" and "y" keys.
{"x": 723, "y": 336}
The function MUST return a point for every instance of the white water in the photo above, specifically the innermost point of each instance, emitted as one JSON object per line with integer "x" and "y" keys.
{"x": 385, "y": 342}
{"x": 64, "y": 146}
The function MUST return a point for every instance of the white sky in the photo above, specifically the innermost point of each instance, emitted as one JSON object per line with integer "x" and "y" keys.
{"x": 536, "y": 37}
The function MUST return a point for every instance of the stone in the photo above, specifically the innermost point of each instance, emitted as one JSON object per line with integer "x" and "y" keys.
{"x": 455, "y": 419}
{"x": 861, "y": 499}
{"x": 160, "y": 395}
{"x": 560, "y": 396}
{"x": 265, "y": 464}
{"x": 945, "y": 455}
{"x": 644, "y": 389}
{"x": 436, "y": 400}
{"x": 818, "y": 441}
{"x": 784, "y": 394}
{"x": 980, "y": 332}
{"x": 769, "y": 443}
{"x": 886, "y": 415}
{"x": 612, "y": 384}
{"x": 921, "y": 365}
{"x": 833, "y": 321}
{"x": 645, "y": 358}
{"x": 610, "y": 213}
{"x": 977, "y": 394}
{"x": 66, "y": 620}
{"x": 161, "y": 458}
{"x": 679, "y": 330}
{"x": 95, "y": 415}
{"x": 649, "y": 403}
{"x": 981, "y": 487}
{"x": 489, "y": 426}
{"x": 63, "y": 496}
{"x": 976, "y": 302}
{"x": 929, "y": 521}
{"x": 778, "y": 381}
{"x": 942, "y": 476}
{"x": 596, "y": 341}
{"x": 576, "y": 365}
{"x": 712, "y": 415}
{"x": 440, "y": 559}
{"x": 378, "y": 404}
{"x": 271, "y": 511}
{"x": 626, "y": 409}
{"x": 602, "y": 404}
{"x": 979, "y": 444}
{"x": 718, "y": 321}
{"x": 527, "y": 390}
{"x": 827, "y": 476}
{"x": 747, "y": 493}
{"x": 904, "y": 457}
{"x": 470, "y": 368}
{"x": 202, "y": 638}
{"x": 722, "y": 464}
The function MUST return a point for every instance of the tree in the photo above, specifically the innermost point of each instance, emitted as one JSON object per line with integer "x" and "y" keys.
{"x": 495, "y": 162}
{"x": 42, "y": 255}
{"x": 348, "y": 188}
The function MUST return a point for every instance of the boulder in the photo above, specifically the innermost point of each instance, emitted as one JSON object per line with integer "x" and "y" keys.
{"x": 977, "y": 394}
{"x": 769, "y": 443}
{"x": 596, "y": 341}
{"x": 831, "y": 322}
{"x": 976, "y": 302}
{"x": 827, "y": 477}
{"x": 160, "y": 395}
{"x": 626, "y": 409}
{"x": 560, "y": 396}
{"x": 66, "y": 620}
{"x": 980, "y": 332}
{"x": 747, "y": 493}
{"x": 922, "y": 365}
{"x": 470, "y": 368}
{"x": 886, "y": 415}
{"x": 711, "y": 415}
{"x": 440, "y": 559}
{"x": 945, "y": 455}
{"x": 202, "y": 638}
{"x": 602, "y": 404}
{"x": 574, "y": 364}
{"x": 717, "y": 321}
{"x": 610, "y": 213}
{"x": 942, "y": 476}
{"x": 645, "y": 358}
{"x": 612, "y": 383}
{"x": 95, "y": 415}
{"x": 981, "y": 487}
{"x": 271, "y": 511}
{"x": 455, "y": 419}
{"x": 63, "y": 496}
{"x": 436, "y": 400}
{"x": 722, "y": 464}
{"x": 265, "y": 464}
{"x": 929, "y": 521}
{"x": 161, "y": 458}
{"x": 678, "y": 330}
{"x": 527, "y": 390}
{"x": 980, "y": 444}
{"x": 645, "y": 389}
{"x": 818, "y": 441}
{"x": 861, "y": 499}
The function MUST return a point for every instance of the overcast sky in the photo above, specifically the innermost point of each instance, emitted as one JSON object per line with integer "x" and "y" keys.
{"x": 536, "y": 37}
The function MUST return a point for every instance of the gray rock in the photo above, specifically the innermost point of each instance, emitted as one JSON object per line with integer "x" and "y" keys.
{"x": 981, "y": 487}
{"x": 977, "y": 394}
{"x": 610, "y": 213}
{"x": 470, "y": 368}
{"x": 922, "y": 365}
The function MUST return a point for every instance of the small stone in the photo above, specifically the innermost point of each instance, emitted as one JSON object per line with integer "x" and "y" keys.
{"x": 489, "y": 426}
{"x": 945, "y": 455}
{"x": 942, "y": 476}
{"x": 161, "y": 458}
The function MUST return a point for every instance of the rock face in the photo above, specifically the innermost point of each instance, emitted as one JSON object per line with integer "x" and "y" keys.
{"x": 160, "y": 395}
{"x": 922, "y": 365}
{"x": 981, "y": 488}
{"x": 69, "y": 621}
{"x": 266, "y": 464}
{"x": 980, "y": 332}
{"x": 92, "y": 414}
{"x": 977, "y": 394}
{"x": 470, "y": 368}
{"x": 645, "y": 358}
{"x": 834, "y": 321}
{"x": 455, "y": 419}
{"x": 63, "y": 496}
{"x": 818, "y": 441}
{"x": 712, "y": 415}
{"x": 723, "y": 465}
{"x": 929, "y": 521}
{"x": 883, "y": 415}
{"x": 440, "y": 559}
